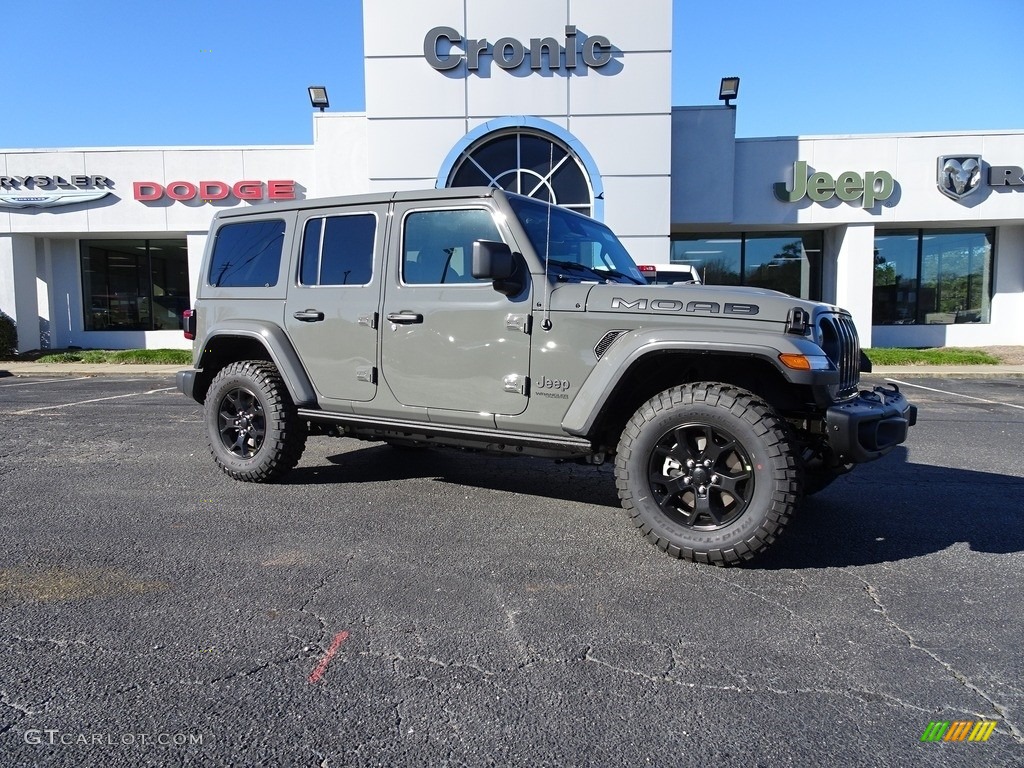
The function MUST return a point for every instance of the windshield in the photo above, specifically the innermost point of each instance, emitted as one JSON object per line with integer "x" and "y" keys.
{"x": 578, "y": 248}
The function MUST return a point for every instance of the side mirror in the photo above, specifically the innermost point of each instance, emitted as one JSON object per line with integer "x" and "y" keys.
{"x": 492, "y": 260}
{"x": 495, "y": 261}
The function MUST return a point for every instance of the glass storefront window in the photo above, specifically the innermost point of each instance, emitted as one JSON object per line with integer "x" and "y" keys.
{"x": 134, "y": 285}
{"x": 527, "y": 163}
{"x": 785, "y": 262}
{"x": 779, "y": 263}
{"x": 932, "y": 277}
{"x": 718, "y": 261}
{"x": 895, "y": 293}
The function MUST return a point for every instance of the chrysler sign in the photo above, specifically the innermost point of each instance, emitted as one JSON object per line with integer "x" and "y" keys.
{"x": 40, "y": 191}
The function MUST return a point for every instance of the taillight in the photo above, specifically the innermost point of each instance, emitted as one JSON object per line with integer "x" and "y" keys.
{"x": 188, "y": 323}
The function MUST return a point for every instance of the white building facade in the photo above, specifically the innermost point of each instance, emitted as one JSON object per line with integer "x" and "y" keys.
{"x": 921, "y": 236}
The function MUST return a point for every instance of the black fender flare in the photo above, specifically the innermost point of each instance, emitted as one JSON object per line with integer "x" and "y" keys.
{"x": 279, "y": 348}
{"x": 628, "y": 349}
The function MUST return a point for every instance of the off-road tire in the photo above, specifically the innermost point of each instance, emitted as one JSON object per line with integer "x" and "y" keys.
{"x": 251, "y": 423}
{"x": 750, "y": 486}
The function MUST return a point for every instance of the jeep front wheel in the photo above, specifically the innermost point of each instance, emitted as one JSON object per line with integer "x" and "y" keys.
{"x": 707, "y": 473}
{"x": 251, "y": 423}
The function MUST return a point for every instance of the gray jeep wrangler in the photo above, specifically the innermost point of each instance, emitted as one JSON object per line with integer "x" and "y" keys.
{"x": 478, "y": 319}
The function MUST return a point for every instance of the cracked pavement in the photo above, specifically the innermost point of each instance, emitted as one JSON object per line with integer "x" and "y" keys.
{"x": 497, "y": 611}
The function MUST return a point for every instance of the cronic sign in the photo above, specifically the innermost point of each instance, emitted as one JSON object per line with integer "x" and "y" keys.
{"x": 445, "y": 49}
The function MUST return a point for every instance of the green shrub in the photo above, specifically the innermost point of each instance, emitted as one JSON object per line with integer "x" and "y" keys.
{"x": 61, "y": 357}
{"x": 122, "y": 356}
{"x": 935, "y": 356}
{"x": 8, "y": 337}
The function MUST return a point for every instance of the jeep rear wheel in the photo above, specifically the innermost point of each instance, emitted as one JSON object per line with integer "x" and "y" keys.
{"x": 706, "y": 471}
{"x": 251, "y": 422}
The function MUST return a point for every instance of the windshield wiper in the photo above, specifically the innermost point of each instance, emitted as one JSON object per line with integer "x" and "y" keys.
{"x": 616, "y": 273}
{"x": 603, "y": 274}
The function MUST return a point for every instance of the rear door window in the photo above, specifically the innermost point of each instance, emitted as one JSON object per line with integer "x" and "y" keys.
{"x": 338, "y": 250}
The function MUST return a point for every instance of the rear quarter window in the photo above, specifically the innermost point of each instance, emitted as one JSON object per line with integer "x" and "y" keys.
{"x": 247, "y": 254}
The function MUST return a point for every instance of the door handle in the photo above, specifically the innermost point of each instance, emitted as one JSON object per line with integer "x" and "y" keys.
{"x": 405, "y": 318}
{"x": 309, "y": 315}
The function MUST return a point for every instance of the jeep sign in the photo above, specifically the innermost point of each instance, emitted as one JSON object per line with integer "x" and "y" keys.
{"x": 849, "y": 186}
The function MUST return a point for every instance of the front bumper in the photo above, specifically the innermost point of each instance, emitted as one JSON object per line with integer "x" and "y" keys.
{"x": 870, "y": 425}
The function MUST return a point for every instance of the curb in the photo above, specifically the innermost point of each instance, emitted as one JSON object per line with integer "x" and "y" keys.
{"x": 81, "y": 369}
{"x": 949, "y": 371}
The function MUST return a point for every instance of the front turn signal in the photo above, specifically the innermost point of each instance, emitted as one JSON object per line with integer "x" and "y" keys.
{"x": 805, "y": 362}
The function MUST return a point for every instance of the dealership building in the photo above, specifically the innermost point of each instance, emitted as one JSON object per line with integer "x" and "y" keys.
{"x": 920, "y": 235}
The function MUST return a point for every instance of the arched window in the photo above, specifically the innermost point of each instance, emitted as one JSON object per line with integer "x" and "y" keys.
{"x": 529, "y": 163}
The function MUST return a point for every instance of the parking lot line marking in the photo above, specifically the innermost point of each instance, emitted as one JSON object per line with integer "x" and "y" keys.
{"x": 86, "y": 402}
{"x": 44, "y": 381}
{"x": 955, "y": 394}
{"x": 317, "y": 673}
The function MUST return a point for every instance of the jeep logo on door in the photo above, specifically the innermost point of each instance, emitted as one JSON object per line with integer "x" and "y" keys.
{"x": 959, "y": 175}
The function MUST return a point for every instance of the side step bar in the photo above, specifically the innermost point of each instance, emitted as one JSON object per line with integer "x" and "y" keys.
{"x": 470, "y": 436}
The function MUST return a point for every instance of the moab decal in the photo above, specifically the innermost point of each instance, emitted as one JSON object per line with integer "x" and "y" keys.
{"x": 692, "y": 307}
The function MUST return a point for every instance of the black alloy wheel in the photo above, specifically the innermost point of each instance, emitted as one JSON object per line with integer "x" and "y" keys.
{"x": 701, "y": 476}
{"x": 242, "y": 422}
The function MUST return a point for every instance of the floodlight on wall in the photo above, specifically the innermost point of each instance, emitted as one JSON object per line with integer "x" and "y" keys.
{"x": 729, "y": 89}
{"x": 318, "y": 97}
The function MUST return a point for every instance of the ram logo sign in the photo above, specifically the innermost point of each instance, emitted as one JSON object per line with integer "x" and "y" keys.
{"x": 959, "y": 175}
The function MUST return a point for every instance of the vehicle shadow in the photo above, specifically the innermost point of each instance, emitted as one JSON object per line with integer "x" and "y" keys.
{"x": 893, "y": 510}
{"x": 522, "y": 475}
{"x": 886, "y": 511}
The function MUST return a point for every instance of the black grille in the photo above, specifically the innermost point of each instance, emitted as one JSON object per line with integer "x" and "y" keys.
{"x": 840, "y": 342}
{"x": 605, "y": 342}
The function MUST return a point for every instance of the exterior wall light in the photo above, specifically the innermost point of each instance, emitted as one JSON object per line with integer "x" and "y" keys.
{"x": 318, "y": 97}
{"x": 729, "y": 89}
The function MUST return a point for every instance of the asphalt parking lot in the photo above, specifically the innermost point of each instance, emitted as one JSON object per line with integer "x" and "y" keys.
{"x": 387, "y": 607}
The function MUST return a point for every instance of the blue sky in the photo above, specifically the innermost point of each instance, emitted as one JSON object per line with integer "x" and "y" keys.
{"x": 183, "y": 72}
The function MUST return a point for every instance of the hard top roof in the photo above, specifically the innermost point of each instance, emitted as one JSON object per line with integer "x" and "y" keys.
{"x": 373, "y": 198}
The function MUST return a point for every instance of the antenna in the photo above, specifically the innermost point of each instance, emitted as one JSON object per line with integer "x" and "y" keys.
{"x": 546, "y": 323}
